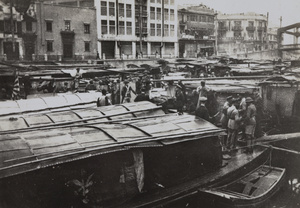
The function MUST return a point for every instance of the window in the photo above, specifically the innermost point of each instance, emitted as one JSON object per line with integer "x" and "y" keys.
{"x": 128, "y": 10}
{"x": 152, "y": 29}
{"x": 237, "y": 34}
{"x": 122, "y": 28}
{"x": 152, "y": 13}
{"x": 193, "y": 18}
{"x": 129, "y": 28}
{"x": 251, "y": 35}
{"x": 29, "y": 26}
{"x": 1, "y": 25}
{"x": 103, "y": 8}
{"x": 172, "y": 14}
{"x": 166, "y": 11}
{"x": 67, "y": 25}
{"x": 112, "y": 27}
{"x": 158, "y": 30}
{"x": 158, "y": 13}
{"x": 172, "y": 30}
{"x": 152, "y": 1}
{"x": 87, "y": 28}
{"x": 48, "y": 26}
{"x": 111, "y": 8}
{"x": 203, "y": 18}
{"x": 104, "y": 26}
{"x": 166, "y": 30}
{"x": 237, "y": 23}
{"x": 166, "y": 2}
{"x": 158, "y": 1}
{"x": 121, "y": 10}
{"x": 172, "y": 2}
{"x": 250, "y": 23}
{"x": 49, "y": 45}
{"x": 86, "y": 46}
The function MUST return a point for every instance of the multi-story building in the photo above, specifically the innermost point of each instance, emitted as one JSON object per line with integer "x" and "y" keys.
{"x": 56, "y": 31}
{"x": 196, "y": 31}
{"x": 241, "y": 33}
{"x": 10, "y": 33}
{"x": 272, "y": 38}
{"x": 135, "y": 28}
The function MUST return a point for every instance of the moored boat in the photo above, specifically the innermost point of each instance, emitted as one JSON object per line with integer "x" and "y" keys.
{"x": 252, "y": 190}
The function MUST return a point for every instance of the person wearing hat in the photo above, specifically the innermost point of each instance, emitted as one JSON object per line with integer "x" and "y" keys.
{"x": 250, "y": 122}
{"x": 126, "y": 92}
{"x": 233, "y": 124}
{"x": 179, "y": 99}
{"x": 202, "y": 111}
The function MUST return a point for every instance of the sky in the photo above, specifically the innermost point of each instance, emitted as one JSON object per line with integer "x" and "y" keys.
{"x": 288, "y": 9}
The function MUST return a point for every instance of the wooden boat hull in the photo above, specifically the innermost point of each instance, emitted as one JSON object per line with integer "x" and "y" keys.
{"x": 226, "y": 198}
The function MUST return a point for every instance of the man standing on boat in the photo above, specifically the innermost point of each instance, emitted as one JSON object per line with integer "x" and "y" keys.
{"x": 224, "y": 119}
{"x": 250, "y": 124}
{"x": 233, "y": 125}
{"x": 103, "y": 100}
{"x": 180, "y": 99}
{"x": 126, "y": 92}
{"x": 203, "y": 91}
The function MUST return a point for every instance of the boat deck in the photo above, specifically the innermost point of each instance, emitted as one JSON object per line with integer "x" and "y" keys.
{"x": 239, "y": 162}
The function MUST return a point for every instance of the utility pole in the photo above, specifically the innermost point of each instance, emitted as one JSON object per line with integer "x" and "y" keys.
{"x": 12, "y": 26}
{"x": 280, "y": 21}
{"x": 162, "y": 26}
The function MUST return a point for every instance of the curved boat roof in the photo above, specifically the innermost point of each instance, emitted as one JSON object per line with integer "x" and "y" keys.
{"x": 73, "y": 115}
{"x": 63, "y": 100}
{"x": 21, "y": 152}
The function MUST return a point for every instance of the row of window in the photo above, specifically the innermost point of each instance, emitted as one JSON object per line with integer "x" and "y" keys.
{"x": 158, "y": 14}
{"x": 111, "y": 9}
{"x": 49, "y": 23}
{"x": 197, "y": 18}
{"x": 239, "y": 23}
{"x": 166, "y": 2}
{"x": 157, "y": 31}
{"x": 50, "y": 46}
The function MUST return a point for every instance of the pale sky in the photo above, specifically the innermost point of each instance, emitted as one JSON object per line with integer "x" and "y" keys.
{"x": 288, "y": 9}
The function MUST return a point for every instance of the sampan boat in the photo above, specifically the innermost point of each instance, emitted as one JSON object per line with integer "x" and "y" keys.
{"x": 252, "y": 190}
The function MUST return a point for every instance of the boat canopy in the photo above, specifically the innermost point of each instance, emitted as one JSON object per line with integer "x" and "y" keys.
{"x": 26, "y": 151}
{"x": 72, "y": 115}
{"x": 64, "y": 100}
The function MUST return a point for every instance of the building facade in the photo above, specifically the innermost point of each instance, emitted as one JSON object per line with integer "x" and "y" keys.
{"x": 196, "y": 31}
{"x": 137, "y": 28}
{"x": 10, "y": 33}
{"x": 241, "y": 33}
{"x": 54, "y": 31}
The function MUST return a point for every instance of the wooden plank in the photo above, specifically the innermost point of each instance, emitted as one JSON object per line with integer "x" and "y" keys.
{"x": 247, "y": 188}
{"x": 63, "y": 117}
{"x": 54, "y": 141}
{"x": 36, "y": 120}
{"x": 7, "y": 123}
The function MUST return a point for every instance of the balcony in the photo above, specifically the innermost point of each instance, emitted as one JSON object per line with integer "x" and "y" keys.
{"x": 250, "y": 28}
{"x": 237, "y": 28}
{"x": 144, "y": 31}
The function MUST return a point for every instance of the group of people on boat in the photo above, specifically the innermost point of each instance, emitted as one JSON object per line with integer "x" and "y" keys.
{"x": 241, "y": 114}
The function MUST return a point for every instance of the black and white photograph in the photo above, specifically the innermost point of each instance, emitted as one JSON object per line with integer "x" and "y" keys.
{"x": 149, "y": 104}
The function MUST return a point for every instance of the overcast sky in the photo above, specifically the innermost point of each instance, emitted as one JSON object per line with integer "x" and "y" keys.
{"x": 288, "y": 9}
